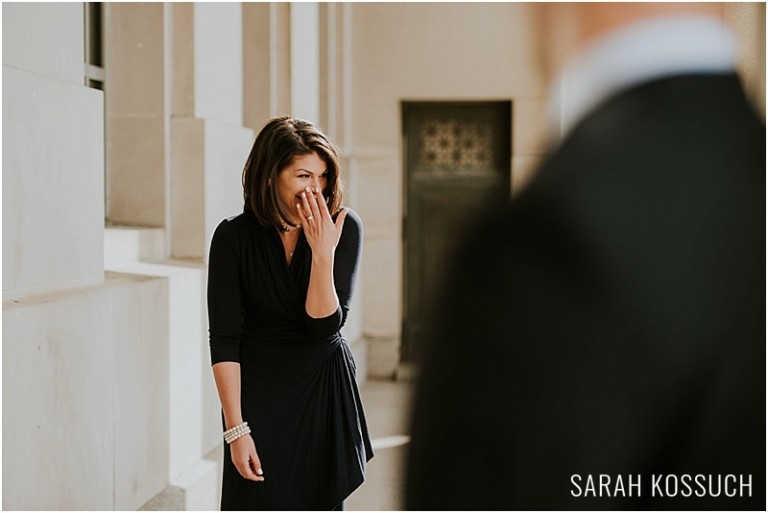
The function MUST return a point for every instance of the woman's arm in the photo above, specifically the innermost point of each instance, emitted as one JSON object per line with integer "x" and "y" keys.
{"x": 225, "y": 319}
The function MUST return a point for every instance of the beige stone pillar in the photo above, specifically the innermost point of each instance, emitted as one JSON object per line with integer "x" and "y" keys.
{"x": 209, "y": 142}
{"x": 257, "y": 83}
{"x": 266, "y": 62}
{"x": 135, "y": 121}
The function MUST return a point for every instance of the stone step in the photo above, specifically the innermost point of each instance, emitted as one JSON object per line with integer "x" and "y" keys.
{"x": 125, "y": 246}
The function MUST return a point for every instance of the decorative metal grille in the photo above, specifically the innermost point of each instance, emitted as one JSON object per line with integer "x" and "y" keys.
{"x": 453, "y": 144}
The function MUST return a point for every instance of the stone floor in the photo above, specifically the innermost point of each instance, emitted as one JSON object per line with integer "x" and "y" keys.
{"x": 386, "y": 406}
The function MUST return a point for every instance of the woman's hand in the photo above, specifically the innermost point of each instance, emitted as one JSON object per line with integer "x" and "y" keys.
{"x": 321, "y": 232}
{"x": 244, "y": 456}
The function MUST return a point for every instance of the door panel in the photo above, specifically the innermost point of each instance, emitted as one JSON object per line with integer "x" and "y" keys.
{"x": 457, "y": 165}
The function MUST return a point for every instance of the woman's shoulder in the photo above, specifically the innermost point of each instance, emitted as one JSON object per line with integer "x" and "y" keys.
{"x": 235, "y": 222}
{"x": 234, "y": 227}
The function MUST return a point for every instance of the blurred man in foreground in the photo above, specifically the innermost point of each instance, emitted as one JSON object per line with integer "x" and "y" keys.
{"x": 600, "y": 344}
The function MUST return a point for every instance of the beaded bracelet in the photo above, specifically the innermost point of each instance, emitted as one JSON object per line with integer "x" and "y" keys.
{"x": 232, "y": 434}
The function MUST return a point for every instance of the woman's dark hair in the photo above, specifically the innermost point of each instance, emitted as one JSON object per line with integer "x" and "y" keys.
{"x": 279, "y": 142}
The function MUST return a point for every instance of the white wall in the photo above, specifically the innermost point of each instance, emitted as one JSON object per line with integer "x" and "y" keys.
{"x": 53, "y": 206}
{"x": 26, "y": 25}
{"x": 83, "y": 397}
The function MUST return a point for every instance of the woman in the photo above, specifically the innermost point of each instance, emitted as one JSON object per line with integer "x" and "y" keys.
{"x": 280, "y": 282}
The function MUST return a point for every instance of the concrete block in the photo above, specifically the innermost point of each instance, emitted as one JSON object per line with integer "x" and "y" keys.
{"x": 187, "y": 187}
{"x": 200, "y": 485}
{"x": 46, "y": 39}
{"x": 183, "y": 59}
{"x": 207, "y": 160}
{"x": 141, "y": 403}
{"x": 125, "y": 246}
{"x": 305, "y": 61}
{"x": 187, "y": 348}
{"x": 219, "y": 62}
{"x": 136, "y": 170}
{"x": 256, "y": 64}
{"x": 58, "y": 392}
{"x": 53, "y": 190}
{"x": 134, "y": 50}
{"x": 136, "y": 121}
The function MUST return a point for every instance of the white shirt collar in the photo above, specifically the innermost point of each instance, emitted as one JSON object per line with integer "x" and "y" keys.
{"x": 640, "y": 52}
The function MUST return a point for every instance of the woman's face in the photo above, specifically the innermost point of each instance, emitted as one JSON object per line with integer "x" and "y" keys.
{"x": 305, "y": 171}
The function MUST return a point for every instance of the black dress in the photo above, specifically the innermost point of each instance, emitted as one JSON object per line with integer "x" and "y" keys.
{"x": 298, "y": 390}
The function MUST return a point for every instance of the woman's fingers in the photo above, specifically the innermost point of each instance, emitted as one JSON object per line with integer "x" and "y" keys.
{"x": 255, "y": 466}
{"x": 311, "y": 195}
{"x": 322, "y": 205}
{"x": 307, "y": 211}
{"x": 322, "y": 232}
{"x": 246, "y": 460}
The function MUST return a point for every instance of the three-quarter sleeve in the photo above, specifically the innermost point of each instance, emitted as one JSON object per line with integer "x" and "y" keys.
{"x": 224, "y": 303}
{"x": 345, "y": 267}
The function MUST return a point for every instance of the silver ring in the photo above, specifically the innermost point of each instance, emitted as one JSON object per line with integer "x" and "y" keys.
{"x": 310, "y": 218}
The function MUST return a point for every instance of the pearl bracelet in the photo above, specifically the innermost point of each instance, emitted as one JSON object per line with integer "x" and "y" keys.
{"x": 232, "y": 434}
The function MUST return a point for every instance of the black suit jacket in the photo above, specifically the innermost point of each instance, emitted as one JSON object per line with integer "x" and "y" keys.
{"x": 610, "y": 321}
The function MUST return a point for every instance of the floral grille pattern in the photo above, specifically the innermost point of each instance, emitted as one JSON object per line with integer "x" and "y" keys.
{"x": 451, "y": 144}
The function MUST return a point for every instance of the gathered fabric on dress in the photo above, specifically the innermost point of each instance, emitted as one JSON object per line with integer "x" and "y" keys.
{"x": 298, "y": 388}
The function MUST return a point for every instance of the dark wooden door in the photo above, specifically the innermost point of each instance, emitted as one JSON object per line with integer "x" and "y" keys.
{"x": 457, "y": 164}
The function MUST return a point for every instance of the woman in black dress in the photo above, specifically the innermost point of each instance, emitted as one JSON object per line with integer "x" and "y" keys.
{"x": 280, "y": 282}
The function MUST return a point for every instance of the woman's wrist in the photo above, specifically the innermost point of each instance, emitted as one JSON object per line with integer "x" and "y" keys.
{"x": 323, "y": 260}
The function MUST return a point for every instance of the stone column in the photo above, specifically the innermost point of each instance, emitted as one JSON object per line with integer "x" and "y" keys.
{"x": 266, "y": 62}
{"x": 209, "y": 143}
{"x": 134, "y": 95}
